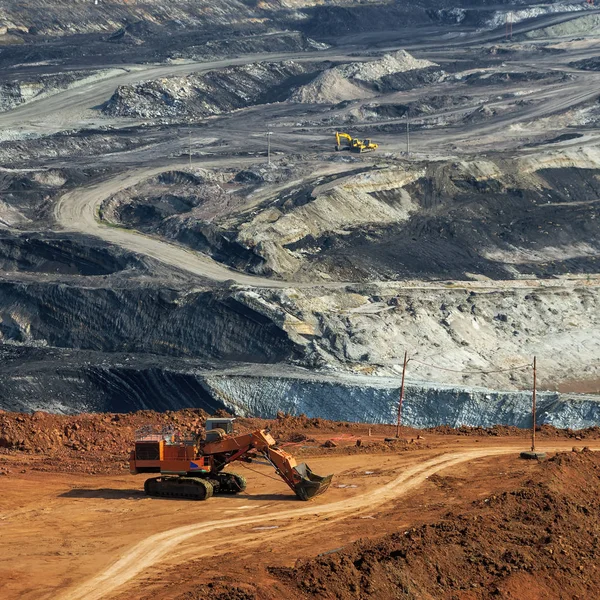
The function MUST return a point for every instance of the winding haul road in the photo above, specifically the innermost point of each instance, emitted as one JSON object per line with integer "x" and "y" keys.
{"x": 77, "y": 211}
{"x": 156, "y": 547}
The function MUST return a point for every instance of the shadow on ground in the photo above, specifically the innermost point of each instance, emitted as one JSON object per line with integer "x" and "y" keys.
{"x": 105, "y": 493}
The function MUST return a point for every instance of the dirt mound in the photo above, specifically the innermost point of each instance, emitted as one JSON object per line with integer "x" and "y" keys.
{"x": 330, "y": 87}
{"x": 100, "y": 441}
{"x": 212, "y": 93}
{"x": 396, "y": 62}
{"x": 350, "y": 81}
{"x": 541, "y": 537}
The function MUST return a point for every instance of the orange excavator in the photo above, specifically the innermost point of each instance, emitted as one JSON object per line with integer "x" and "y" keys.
{"x": 194, "y": 468}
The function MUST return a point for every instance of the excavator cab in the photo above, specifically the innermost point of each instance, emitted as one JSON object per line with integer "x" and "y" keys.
{"x": 225, "y": 424}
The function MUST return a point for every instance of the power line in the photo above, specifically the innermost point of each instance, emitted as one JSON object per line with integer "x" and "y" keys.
{"x": 517, "y": 368}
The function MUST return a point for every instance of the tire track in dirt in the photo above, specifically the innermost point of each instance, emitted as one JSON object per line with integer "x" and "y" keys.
{"x": 154, "y": 548}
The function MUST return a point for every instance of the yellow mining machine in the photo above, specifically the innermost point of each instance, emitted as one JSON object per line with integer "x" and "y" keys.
{"x": 343, "y": 141}
{"x": 194, "y": 468}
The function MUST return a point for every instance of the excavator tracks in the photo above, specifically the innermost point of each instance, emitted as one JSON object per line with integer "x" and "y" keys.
{"x": 190, "y": 488}
{"x": 195, "y": 488}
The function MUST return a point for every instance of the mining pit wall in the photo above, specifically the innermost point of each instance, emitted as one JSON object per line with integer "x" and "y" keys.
{"x": 248, "y": 390}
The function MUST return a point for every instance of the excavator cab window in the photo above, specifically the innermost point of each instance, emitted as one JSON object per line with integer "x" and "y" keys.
{"x": 225, "y": 424}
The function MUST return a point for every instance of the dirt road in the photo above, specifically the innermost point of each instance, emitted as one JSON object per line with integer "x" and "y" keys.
{"x": 93, "y": 534}
{"x": 157, "y": 547}
{"x": 77, "y": 211}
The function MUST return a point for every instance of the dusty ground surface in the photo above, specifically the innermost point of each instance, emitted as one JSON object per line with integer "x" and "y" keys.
{"x": 74, "y": 515}
{"x": 177, "y": 230}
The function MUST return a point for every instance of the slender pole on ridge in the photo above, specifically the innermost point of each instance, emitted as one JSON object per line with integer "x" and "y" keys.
{"x": 408, "y": 133}
{"x": 401, "y": 395}
{"x": 533, "y": 406}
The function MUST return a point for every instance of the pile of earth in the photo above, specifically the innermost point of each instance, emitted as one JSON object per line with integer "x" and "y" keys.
{"x": 542, "y": 536}
{"x": 356, "y": 80}
{"x": 586, "y": 24}
{"x": 587, "y": 64}
{"x": 15, "y": 91}
{"x": 102, "y": 438}
{"x": 212, "y": 93}
{"x": 231, "y": 88}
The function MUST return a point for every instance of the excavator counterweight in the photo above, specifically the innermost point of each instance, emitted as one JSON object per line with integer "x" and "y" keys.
{"x": 194, "y": 469}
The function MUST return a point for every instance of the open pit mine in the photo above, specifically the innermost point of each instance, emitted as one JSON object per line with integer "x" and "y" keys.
{"x": 240, "y": 238}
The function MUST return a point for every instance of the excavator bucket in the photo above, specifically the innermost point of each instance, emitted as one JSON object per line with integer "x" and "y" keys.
{"x": 311, "y": 485}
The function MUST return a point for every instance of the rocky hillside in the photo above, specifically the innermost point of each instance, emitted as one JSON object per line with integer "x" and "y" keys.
{"x": 498, "y": 218}
{"x": 358, "y": 79}
{"x": 540, "y": 537}
{"x": 67, "y": 18}
{"x": 216, "y": 92}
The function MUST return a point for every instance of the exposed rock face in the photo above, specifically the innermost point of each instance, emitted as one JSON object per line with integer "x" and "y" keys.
{"x": 214, "y": 93}
{"x": 16, "y": 92}
{"x": 62, "y": 382}
{"x": 147, "y": 319}
{"x": 373, "y": 198}
{"x": 372, "y": 399}
{"x": 353, "y": 330}
{"x": 67, "y": 18}
{"x": 353, "y": 80}
{"x": 55, "y": 254}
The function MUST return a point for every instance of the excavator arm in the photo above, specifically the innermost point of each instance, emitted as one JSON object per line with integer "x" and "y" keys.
{"x": 338, "y": 140}
{"x": 298, "y": 477}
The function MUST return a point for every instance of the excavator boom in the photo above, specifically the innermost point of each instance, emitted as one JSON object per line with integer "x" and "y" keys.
{"x": 299, "y": 477}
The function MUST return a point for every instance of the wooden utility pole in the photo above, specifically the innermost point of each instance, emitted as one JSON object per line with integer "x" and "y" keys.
{"x": 401, "y": 395}
{"x": 408, "y": 132}
{"x": 269, "y": 134}
{"x": 533, "y": 406}
{"x": 509, "y": 25}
